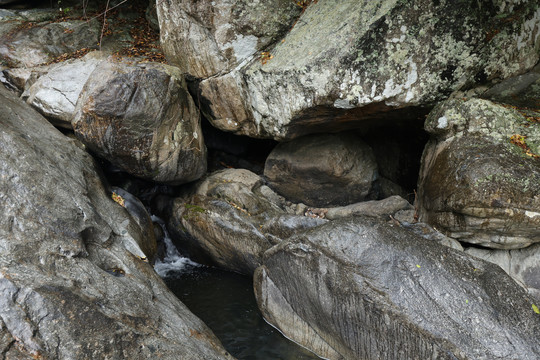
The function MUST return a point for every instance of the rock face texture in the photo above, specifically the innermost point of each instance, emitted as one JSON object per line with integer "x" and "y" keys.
{"x": 377, "y": 291}
{"x": 56, "y": 92}
{"x": 521, "y": 264}
{"x": 206, "y": 38}
{"x": 141, "y": 118}
{"x": 322, "y": 170}
{"x": 71, "y": 285}
{"x": 480, "y": 175}
{"x": 231, "y": 218}
{"x": 342, "y": 65}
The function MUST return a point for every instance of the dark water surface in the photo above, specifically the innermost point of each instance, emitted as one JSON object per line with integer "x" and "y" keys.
{"x": 225, "y": 302}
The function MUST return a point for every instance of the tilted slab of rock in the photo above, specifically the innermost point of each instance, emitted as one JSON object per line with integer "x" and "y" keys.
{"x": 35, "y": 37}
{"x": 69, "y": 288}
{"x": 142, "y": 119}
{"x": 208, "y": 37}
{"x": 521, "y": 264}
{"x": 55, "y": 93}
{"x": 232, "y": 219}
{"x": 322, "y": 170}
{"x": 363, "y": 289}
{"x": 480, "y": 179}
{"x": 343, "y": 64}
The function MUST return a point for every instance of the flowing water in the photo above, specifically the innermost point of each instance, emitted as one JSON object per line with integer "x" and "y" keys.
{"x": 225, "y": 302}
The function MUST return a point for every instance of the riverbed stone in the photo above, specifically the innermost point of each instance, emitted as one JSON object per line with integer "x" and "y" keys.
{"x": 141, "y": 118}
{"x": 378, "y": 291}
{"x": 322, "y": 170}
{"x": 480, "y": 175}
{"x": 207, "y": 37}
{"x": 231, "y": 218}
{"x": 70, "y": 288}
{"x": 350, "y": 64}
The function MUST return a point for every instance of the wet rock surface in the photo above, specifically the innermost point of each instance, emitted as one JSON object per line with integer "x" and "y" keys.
{"x": 346, "y": 271}
{"x": 69, "y": 285}
{"x": 373, "y": 290}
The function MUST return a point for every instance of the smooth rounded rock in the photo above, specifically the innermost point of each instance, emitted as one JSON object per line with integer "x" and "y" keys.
{"x": 322, "y": 170}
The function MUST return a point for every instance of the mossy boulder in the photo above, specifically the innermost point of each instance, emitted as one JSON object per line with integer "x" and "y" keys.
{"x": 480, "y": 176}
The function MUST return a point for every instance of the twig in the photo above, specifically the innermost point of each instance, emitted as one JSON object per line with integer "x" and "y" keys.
{"x": 98, "y": 15}
{"x": 104, "y": 24}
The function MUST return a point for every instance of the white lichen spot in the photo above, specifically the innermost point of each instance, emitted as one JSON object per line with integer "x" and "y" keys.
{"x": 195, "y": 135}
{"x": 343, "y": 104}
{"x": 532, "y": 214}
{"x": 243, "y": 46}
{"x": 442, "y": 122}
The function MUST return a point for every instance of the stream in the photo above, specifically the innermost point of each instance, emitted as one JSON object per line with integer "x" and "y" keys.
{"x": 226, "y": 303}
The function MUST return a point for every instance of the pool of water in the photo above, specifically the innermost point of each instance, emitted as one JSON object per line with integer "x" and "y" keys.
{"x": 226, "y": 303}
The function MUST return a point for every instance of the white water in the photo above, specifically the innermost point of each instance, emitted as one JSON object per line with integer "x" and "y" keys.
{"x": 173, "y": 260}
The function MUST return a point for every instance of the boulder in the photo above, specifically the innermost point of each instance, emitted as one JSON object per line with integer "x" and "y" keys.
{"x": 480, "y": 173}
{"x": 55, "y": 93}
{"x": 69, "y": 286}
{"x": 523, "y": 265}
{"x": 350, "y": 64}
{"x": 359, "y": 288}
{"x": 141, "y": 118}
{"x": 322, "y": 170}
{"x": 34, "y": 38}
{"x": 206, "y": 38}
{"x": 231, "y": 218}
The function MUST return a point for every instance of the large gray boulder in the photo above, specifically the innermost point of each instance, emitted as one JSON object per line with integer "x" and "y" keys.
{"x": 362, "y": 289}
{"x": 141, "y": 118}
{"x": 72, "y": 284}
{"x": 344, "y": 64}
{"x": 322, "y": 170}
{"x": 231, "y": 218}
{"x": 480, "y": 176}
